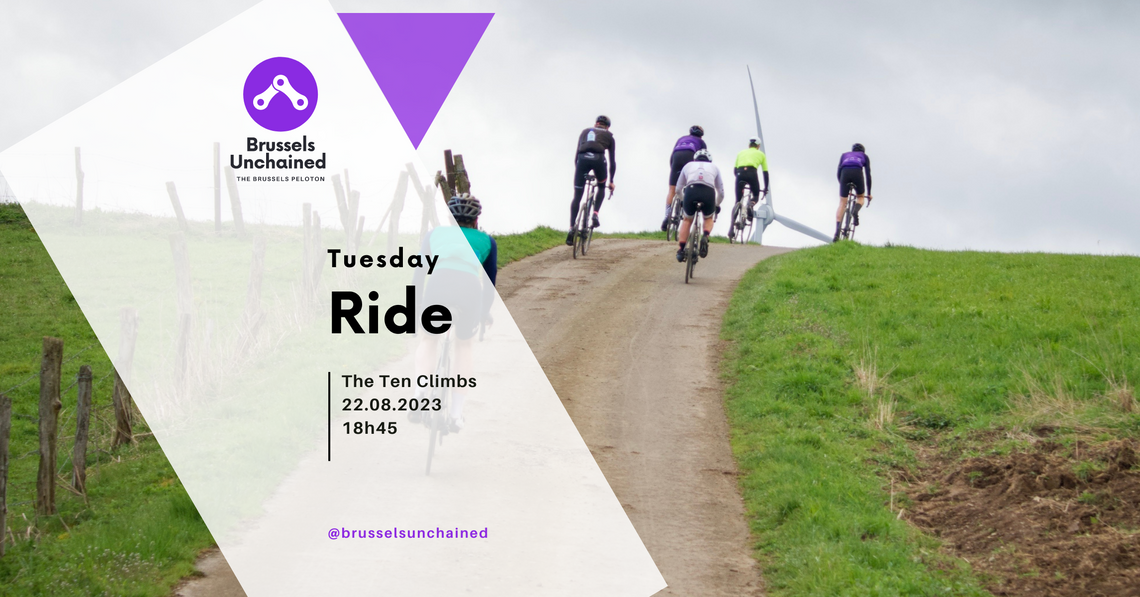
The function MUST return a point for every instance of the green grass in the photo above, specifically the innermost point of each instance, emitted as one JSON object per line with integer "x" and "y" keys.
{"x": 138, "y": 532}
{"x": 955, "y": 345}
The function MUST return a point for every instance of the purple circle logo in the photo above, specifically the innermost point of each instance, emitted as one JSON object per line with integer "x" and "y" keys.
{"x": 280, "y": 94}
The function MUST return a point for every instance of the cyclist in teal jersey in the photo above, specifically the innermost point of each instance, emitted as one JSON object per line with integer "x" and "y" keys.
{"x": 459, "y": 285}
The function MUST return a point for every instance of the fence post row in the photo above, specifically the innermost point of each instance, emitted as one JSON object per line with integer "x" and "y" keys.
{"x": 82, "y": 422}
{"x": 51, "y": 368}
{"x": 5, "y": 432}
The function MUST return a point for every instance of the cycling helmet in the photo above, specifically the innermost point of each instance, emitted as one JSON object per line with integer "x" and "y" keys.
{"x": 857, "y": 147}
{"x": 703, "y": 156}
{"x": 696, "y": 131}
{"x": 753, "y": 143}
{"x": 603, "y": 120}
{"x": 464, "y": 208}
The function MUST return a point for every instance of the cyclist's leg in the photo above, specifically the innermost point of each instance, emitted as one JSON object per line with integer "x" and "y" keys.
{"x": 741, "y": 182}
{"x": 600, "y": 192}
{"x": 580, "y": 170}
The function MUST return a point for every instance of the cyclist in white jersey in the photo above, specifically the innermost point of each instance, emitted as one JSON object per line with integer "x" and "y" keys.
{"x": 702, "y": 185}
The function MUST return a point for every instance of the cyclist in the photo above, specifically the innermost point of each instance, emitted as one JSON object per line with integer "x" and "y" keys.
{"x": 701, "y": 184}
{"x": 593, "y": 144}
{"x": 458, "y": 285}
{"x": 747, "y": 161}
{"x": 683, "y": 151}
{"x": 854, "y": 165}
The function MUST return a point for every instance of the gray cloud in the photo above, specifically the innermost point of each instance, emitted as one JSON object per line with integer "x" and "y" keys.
{"x": 992, "y": 126}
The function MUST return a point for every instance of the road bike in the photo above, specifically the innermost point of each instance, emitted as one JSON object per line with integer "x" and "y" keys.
{"x": 696, "y": 235}
{"x": 674, "y": 225}
{"x": 847, "y": 231}
{"x": 438, "y": 421}
{"x": 740, "y": 230}
{"x": 583, "y": 230}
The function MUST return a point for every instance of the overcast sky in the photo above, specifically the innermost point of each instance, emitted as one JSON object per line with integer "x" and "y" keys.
{"x": 990, "y": 126}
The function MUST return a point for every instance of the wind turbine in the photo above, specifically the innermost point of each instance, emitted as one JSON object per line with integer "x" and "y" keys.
{"x": 765, "y": 214}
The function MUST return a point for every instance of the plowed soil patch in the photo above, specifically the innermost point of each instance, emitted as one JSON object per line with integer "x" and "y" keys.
{"x": 1031, "y": 525}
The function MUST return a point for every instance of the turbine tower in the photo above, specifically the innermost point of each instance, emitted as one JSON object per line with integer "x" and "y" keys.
{"x": 765, "y": 213}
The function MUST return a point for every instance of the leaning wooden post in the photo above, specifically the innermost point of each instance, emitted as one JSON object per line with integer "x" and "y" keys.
{"x": 449, "y": 170}
{"x": 318, "y": 251}
{"x": 462, "y": 182}
{"x": 217, "y": 188}
{"x": 182, "y": 273}
{"x": 170, "y": 190}
{"x": 307, "y": 250}
{"x": 256, "y": 273}
{"x": 120, "y": 396}
{"x": 235, "y": 201}
{"x": 78, "y": 189}
{"x": 51, "y": 368}
{"x": 82, "y": 422}
{"x": 5, "y": 431}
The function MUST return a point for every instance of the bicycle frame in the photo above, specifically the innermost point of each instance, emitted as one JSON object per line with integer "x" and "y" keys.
{"x": 583, "y": 232}
{"x": 693, "y": 243}
{"x": 848, "y": 229}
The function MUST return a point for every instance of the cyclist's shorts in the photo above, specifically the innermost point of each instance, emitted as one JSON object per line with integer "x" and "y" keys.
{"x": 586, "y": 163}
{"x": 703, "y": 194}
{"x": 676, "y": 162}
{"x": 461, "y": 293}
{"x": 851, "y": 176}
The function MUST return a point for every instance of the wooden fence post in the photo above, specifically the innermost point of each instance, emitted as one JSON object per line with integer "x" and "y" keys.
{"x": 427, "y": 197}
{"x": 217, "y": 188}
{"x": 462, "y": 182}
{"x": 82, "y": 422}
{"x": 182, "y": 273}
{"x": 5, "y": 431}
{"x": 307, "y": 250}
{"x": 349, "y": 225}
{"x": 318, "y": 251}
{"x": 235, "y": 201}
{"x": 78, "y": 189}
{"x": 170, "y": 190}
{"x": 50, "y": 373}
{"x": 183, "y": 353}
{"x": 120, "y": 395}
{"x": 256, "y": 273}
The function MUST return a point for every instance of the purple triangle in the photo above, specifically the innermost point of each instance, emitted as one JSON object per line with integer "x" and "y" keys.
{"x": 416, "y": 58}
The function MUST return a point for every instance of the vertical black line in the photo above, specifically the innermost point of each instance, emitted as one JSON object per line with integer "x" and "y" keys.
{"x": 329, "y": 430}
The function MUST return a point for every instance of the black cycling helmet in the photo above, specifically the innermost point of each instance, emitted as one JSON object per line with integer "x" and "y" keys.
{"x": 858, "y": 147}
{"x": 603, "y": 120}
{"x": 464, "y": 208}
{"x": 753, "y": 143}
{"x": 696, "y": 131}
{"x": 703, "y": 156}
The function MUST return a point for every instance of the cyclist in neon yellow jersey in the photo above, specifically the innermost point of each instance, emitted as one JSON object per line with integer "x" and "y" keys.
{"x": 748, "y": 161}
{"x": 457, "y": 284}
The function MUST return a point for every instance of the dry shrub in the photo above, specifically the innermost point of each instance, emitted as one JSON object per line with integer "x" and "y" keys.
{"x": 884, "y": 413}
{"x": 1046, "y": 405}
{"x": 1121, "y": 394}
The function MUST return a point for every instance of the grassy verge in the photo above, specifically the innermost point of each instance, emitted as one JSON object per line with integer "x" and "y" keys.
{"x": 845, "y": 360}
{"x": 137, "y": 532}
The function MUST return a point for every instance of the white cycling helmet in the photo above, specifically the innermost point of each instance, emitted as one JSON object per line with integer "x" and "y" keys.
{"x": 703, "y": 155}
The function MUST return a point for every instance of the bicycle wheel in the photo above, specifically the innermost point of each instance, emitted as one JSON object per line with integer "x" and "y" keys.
{"x": 734, "y": 223}
{"x": 588, "y": 221}
{"x": 692, "y": 248}
{"x": 672, "y": 232}
{"x": 438, "y": 419}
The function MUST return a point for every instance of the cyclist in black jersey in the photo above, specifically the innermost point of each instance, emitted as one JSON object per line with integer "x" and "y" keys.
{"x": 593, "y": 145}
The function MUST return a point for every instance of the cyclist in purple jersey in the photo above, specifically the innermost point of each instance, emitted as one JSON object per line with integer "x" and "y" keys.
{"x": 683, "y": 151}
{"x": 854, "y": 169}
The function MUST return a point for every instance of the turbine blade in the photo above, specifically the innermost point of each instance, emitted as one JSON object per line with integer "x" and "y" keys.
{"x": 798, "y": 227}
{"x": 756, "y": 108}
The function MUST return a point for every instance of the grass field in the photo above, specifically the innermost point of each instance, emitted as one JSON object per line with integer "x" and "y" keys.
{"x": 137, "y": 533}
{"x": 849, "y": 363}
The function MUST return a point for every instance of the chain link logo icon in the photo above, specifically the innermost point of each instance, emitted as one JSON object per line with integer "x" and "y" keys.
{"x": 289, "y": 78}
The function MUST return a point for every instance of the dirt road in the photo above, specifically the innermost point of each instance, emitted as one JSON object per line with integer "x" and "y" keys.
{"x": 632, "y": 352}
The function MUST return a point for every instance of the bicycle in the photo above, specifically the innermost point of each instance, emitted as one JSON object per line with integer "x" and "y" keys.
{"x": 740, "y": 230}
{"x": 693, "y": 246}
{"x": 438, "y": 420}
{"x": 583, "y": 231}
{"x": 672, "y": 230}
{"x": 847, "y": 231}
